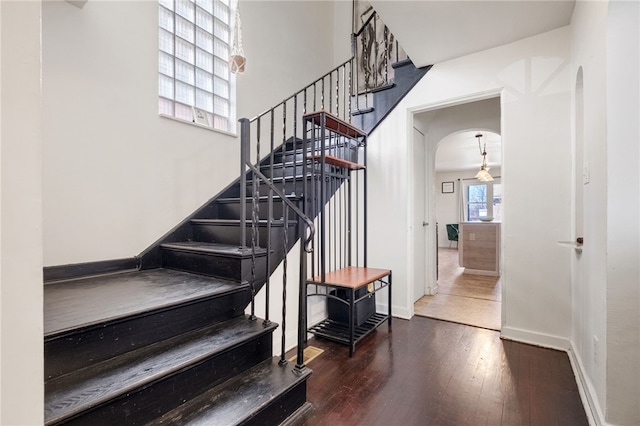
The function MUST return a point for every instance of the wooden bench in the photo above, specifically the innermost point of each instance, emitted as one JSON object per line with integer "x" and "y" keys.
{"x": 351, "y": 279}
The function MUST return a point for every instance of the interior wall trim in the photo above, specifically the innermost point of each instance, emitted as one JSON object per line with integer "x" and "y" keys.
{"x": 78, "y": 270}
{"x": 587, "y": 392}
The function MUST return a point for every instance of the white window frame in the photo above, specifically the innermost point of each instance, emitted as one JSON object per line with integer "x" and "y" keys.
{"x": 489, "y": 196}
{"x": 195, "y": 84}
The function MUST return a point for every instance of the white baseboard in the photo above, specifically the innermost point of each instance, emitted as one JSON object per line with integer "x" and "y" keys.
{"x": 587, "y": 393}
{"x": 537, "y": 339}
{"x": 396, "y": 311}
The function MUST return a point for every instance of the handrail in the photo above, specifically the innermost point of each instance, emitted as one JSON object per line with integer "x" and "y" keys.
{"x": 309, "y": 222}
{"x": 265, "y": 112}
{"x": 367, "y": 22}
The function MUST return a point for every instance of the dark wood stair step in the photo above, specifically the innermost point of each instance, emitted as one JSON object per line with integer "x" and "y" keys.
{"x": 188, "y": 361}
{"x": 265, "y": 394}
{"x": 236, "y": 222}
{"x": 217, "y": 259}
{"x": 96, "y": 301}
{"x": 93, "y": 319}
{"x": 218, "y": 249}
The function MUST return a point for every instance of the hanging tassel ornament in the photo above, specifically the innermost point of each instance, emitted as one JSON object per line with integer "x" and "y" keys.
{"x": 237, "y": 61}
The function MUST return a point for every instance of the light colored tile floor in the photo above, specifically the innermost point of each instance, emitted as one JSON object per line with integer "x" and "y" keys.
{"x": 462, "y": 298}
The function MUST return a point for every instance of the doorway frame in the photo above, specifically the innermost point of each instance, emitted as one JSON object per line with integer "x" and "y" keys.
{"x": 431, "y": 264}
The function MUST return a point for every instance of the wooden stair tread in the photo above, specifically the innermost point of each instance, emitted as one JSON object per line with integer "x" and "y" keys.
{"x": 92, "y": 386}
{"x": 236, "y": 222}
{"x": 338, "y": 162}
{"x": 220, "y": 249}
{"x": 94, "y": 301}
{"x": 239, "y": 399}
{"x": 230, "y": 200}
{"x": 352, "y": 276}
{"x": 334, "y": 123}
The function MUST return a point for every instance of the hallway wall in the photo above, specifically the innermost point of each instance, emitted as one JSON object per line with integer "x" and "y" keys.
{"x": 532, "y": 78}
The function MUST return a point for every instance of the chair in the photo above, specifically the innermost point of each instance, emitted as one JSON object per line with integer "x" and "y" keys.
{"x": 452, "y": 233}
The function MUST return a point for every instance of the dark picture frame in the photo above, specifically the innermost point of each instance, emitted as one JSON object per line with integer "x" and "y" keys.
{"x": 447, "y": 188}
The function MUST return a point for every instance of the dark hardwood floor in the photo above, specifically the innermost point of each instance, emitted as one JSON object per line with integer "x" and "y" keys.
{"x": 431, "y": 372}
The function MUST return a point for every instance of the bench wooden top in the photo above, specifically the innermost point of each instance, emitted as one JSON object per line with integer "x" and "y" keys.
{"x": 334, "y": 123}
{"x": 339, "y": 162}
{"x": 352, "y": 276}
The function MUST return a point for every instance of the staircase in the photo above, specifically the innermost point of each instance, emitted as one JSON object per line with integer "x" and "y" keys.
{"x": 168, "y": 342}
{"x": 163, "y": 338}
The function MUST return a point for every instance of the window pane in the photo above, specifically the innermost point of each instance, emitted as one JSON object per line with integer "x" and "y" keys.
{"x": 185, "y": 29}
{"x": 204, "y": 100}
{"x": 221, "y": 87}
{"x": 166, "y": 64}
{"x": 204, "y": 80}
{"x": 204, "y": 40}
{"x": 477, "y": 193}
{"x": 221, "y": 106}
{"x": 166, "y": 42}
{"x": 184, "y": 93}
{"x": 221, "y": 49}
{"x": 221, "y": 123}
{"x": 222, "y": 68}
{"x": 476, "y": 202}
{"x": 165, "y": 106}
{"x": 497, "y": 202}
{"x": 204, "y": 60}
{"x": 221, "y": 31}
{"x": 166, "y": 19}
{"x": 204, "y": 20}
{"x": 185, "y": 72}
{"x": 186, "y": 9}
{"x": 184, "y": 51}
{"x": 185, "y": 112}
{"x": 221, "y": 11}
{"x": 206, "y": 5}
{"x": 165, "y": 86}
{"x": 167, "y": 3}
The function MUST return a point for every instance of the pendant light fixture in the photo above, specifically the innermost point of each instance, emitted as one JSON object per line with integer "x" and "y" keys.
{"x": 237, "y": 60}
{"x": 483, "y": 175}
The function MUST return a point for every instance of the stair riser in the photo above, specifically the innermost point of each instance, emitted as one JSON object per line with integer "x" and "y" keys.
{"x": 286, "y": 170}
{"x": 281, "y": 408}
{"x": 237, "y": 269}
{"x": 230, "y": 234}
{"x": 232, "y": 210}
{"x": 144, "y": 404}
{"x": 88, "y": 346}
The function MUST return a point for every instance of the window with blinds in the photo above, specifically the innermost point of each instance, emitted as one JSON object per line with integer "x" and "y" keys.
{"x": 195, "y": 84}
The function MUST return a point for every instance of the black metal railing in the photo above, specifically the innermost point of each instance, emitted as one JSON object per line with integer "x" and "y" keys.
{"x": 284, "y": 174}
{"x": 278, "y": 127}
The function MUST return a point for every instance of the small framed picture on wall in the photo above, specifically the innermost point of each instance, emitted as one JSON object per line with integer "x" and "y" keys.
{"x": 447, "y": 187}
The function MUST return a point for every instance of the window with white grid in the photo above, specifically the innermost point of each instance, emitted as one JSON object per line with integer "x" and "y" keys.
{"x": 194, "y": 80}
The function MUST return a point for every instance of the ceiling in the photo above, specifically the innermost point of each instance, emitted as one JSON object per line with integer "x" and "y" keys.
{"x": 460, "y": 151}
{"x": 435, "y": 31}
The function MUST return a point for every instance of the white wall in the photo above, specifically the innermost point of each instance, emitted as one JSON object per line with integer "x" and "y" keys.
{"x": 588, "y": 47}
{"x": 21, "y": 345}
{"x": 116, "y": 175}
{"x": 623, "y": 213}
{"x": 532, "y": 78}
{"x": 606, "y": 277}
